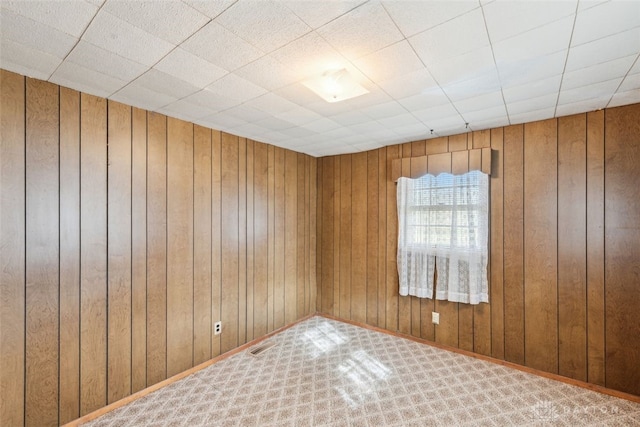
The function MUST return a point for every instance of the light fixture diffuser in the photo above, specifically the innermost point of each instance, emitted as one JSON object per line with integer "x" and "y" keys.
{"x": 335, "y": 86}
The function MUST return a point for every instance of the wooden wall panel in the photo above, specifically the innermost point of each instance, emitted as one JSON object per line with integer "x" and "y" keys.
{"x": 404, "y": 302}
{"x": 128, "y": 235}
{"x": 202, "y": 322}
{"x": 346, "y": 225}
{"x": 496, "y": 245}
{"x": 42, "y": 252}
{"x": 156, "y": 248}
{"x": 93, "y": 253}
{"x": 372, "y": 235}
{"x": 12, "y": 245}
{"x": 541, "y": 245}
{"x": 359, "y": 238}
{"x": 391, "y": 286}
{"x": 572, "y": 241}
{"x": 622, "y": 248}
{"x": 69, "y": 384}
{"x": 326, "y": 191}
{"x": 119, "y": 251}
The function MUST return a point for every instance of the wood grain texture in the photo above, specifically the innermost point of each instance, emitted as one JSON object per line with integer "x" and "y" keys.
{"x": 622, "y": 248}
{"x": 513, "y": 238}
{"x": 496, "y": 257}
{"x": 290, "y": 236}
{"x": 279, "y": 239}
{"x": 373, "y": 236}
{"x": 242, "y": 241}
{"x": 216, "y": 236}
{"x": 327, "y": 220}
{"x": 138, "y": 249}
{"x": 93, "y": 253}
{"x": 202, "y": 322}
{"x": 572, "y": 241}
{"x": 301, "y": 223}
{"x": 69, "y": 384}
{"x": 250, "y": 244}
{"x": 392, "y": 286}
{"x": 271, "y": 192}
{"x": 404, "y": 302}
{"x": 314, "y": 240}
{"x": 42, "y": 253}
{"x": 344, "y": 240}
{"x": 359, "y": 237}
{"x": 541, "y": 245}
{"x": 12, "y": 248}
{"x": 156, "y": 248}
{"x": 595, "y": 249}
{"x": 261, "y": 239}
{"x": 118, "y": 251}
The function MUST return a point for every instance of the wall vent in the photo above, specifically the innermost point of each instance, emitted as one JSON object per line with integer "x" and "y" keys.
{"x": 259, "y": 349}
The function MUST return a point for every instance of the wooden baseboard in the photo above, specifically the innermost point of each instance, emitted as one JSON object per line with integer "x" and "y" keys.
{"x": 135, "y": 396}
{"x": 567, "y": 380}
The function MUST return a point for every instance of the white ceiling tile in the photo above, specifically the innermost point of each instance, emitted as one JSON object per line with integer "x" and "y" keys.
{"x": 406, "y": 119}
{"x": 507, "y": 18}
{"x": 268, "y": 73}
{"x": 274, "y": 123}
{"x": 297, "y": 132}
{"x": 636, "y": 67}
{"x": 519, "y": 72}
{"x": 221, "y": 47}
{"x": 387, "y": 109}
{"x": 532, "y": 104}
{"x": 630, "y": 82}
{"x": 189, "y": 68}
{"x": 616, "y": 46}
{"x": 463, "y": 67}
{"x": 413, "y": 17}
{"x": 220, "y": 121}
{"x": 485, "y": 114}
{"x": 211, "y": 8}
{"x": 488, "y": 100}
{"x": 604, "y": 20}
{"x": 321, "y": 125}
{"x": 490, "y": 123}
{"x": 409, "y": 84}
{"x": 391, "y": 62}
{"x": 550, "y": 38}
{"x": 164, "y": 83}
{"x": 371, "y": 127}
{"x": 581, "y": 106}
{"x": 341, "y": 132}
{"x": 583, "y": 93}
{"x": 35, "y": 35}
{"x": 587, "y": 4}
{"x": 350, "y": 118}
{"x": 235, "y": 87}
{"x": 97, "y": 59}
{"x": 460, "y": 35}
{"x": 71, "y": 17}
{"x": 532, "y": 89}
{"x": 414, "y": 131}
{"x": 271, "y": 103}
{"x": 366, "y": 146}
{"x": 186, "y": 109}
{"x": 429, "y": 115}
{"x": 431, "y": 98}
{"x": 316, "y": 14}
{"x": 625, "y": 98}
{"x": 532, "y": 116}
{"x": 27, "y": 61}
{"x": 483, "y": 84}
{"x": 141, "y": 97}
{"x": 172, "y": 21}
{"x": 120, "y": 37}
{"x": 309, "y": 56}
{"x": 86, "y": 80}
{"x": 246, "y": 113}
{"x": 363, "y": 30}
{"x": 266, "y": 24}
{"x": 299, "y": 116}
{"x": 597, "y": 73}
{"x": 448, "y": 125}
{"x": 212, "y": 100}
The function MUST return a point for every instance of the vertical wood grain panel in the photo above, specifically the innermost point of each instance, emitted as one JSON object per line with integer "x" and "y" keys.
{"x": 595, "y": 248}
{"x": 572, "y": 241}
{"x": 202, "y": 322}
{"x": 271, "y": 236}
{"x": 481, "y": 138}
{"x": 216, "y": 236}
{"x": 242, "y": 240}
{"x": 314, "y": 240}
{"x": 250, "y": 240}
{"x": 290, "y": 235}
{"x": 373, "y": 230}
{"x": 301, "y": 255}
{"x": 156, "y": 248}
{"x": 418, "y": 168}
{"x": 319, "y": 234}
{"x": 458, "y": 142}
{"x": 541, "y": 245}
{"x": 119, "y": 251}
{"x": 230, "y": 224}
{"x": 42, "y": 252}
{"x": 382, "y": 237}
{"x": 279, "y": 239}
{"x": 345, "y": 266}
{"x": 69, "y": 383}
{"x": 514, "y": 243}
{"x": 12, "y": 244}
{"x": 496, "y": 257}
{"x": 261, "y": 242}
{"x": 327, "y": 218}
{"x": 359, "y": 238}
{"x": 337, "y": 201}
{"x": 391, "y": 280}
{"x": 93, "y": 255}
{"x": 436, "y": 145}
{"x": 404, "y": 302}
{"x": 138, "y": 250}
{"x": 622, "y": 247}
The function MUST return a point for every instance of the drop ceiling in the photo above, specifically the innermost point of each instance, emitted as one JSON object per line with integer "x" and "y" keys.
{"x": 432, "y": 68}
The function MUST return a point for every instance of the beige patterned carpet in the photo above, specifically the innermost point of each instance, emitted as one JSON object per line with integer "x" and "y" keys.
{"x": 327, "y": 373}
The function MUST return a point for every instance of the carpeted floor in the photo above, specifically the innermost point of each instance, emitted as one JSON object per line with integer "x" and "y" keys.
{"x": 327, "y": 373}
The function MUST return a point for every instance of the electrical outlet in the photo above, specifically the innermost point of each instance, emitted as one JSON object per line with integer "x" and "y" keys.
{"x": 435, "y": 318}
{"x": 217, "y": 328}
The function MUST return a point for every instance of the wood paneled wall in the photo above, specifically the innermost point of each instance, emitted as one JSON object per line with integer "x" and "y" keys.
{"x": 124, "y": 235}
{"x": 564, "y": 242}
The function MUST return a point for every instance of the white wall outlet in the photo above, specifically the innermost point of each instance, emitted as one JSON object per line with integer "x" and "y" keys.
{"x": 217, "y": 328}
{"x": 435, "y": 318}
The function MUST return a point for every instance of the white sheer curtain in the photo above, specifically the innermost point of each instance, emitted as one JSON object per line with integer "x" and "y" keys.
{"x": 443, "y": 225}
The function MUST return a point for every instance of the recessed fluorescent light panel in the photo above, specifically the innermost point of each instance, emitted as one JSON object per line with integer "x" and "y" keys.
{"x": 335, "y": 86}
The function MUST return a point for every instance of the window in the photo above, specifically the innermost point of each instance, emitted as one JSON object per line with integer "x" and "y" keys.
{"x": 443, "y": 227}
